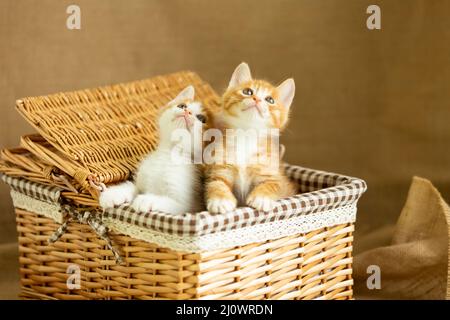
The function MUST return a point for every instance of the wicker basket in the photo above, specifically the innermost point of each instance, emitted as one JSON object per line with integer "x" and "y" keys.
{"x": 299, "y": 250}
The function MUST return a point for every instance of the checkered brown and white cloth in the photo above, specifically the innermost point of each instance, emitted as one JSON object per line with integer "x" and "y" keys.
{"x": 320, "y": 191}
{"x": 32, "y": 189}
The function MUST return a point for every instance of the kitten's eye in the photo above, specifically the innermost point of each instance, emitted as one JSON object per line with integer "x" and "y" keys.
{"x": 270, "y": 100}
{"x": 247, "y": 91}
{"x": 182, "y": 106}
{"x": 201, "y": 117}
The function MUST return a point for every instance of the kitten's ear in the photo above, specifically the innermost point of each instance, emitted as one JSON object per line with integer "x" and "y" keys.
{"x": 286, "y": 92}
{"x": 240, "y": 75}
{"x": 187, "y": 93}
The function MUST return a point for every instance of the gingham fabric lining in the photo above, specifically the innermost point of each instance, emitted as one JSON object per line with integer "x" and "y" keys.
{"x": 324, "y": 191}
{"x": 33, "y": 189}
{"x": 257, "y": 233}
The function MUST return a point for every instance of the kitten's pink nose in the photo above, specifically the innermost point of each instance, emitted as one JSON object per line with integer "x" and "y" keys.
{"x": 256, "y": 99}
{"x": 187, "y": 112}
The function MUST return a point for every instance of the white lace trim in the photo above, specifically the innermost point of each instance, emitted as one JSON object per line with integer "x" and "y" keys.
{"x": 208, "y": 242}
{"x": 241, "y": 236}
{"x": 49, "y": 210}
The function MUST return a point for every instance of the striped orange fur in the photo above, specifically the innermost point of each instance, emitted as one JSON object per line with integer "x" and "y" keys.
{"x": 250, "y": 105}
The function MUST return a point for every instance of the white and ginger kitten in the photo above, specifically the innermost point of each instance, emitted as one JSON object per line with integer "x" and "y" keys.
{"x": 167, "y": 180}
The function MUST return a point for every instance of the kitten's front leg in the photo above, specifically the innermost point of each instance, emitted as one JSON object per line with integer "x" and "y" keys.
{"x": 219, "y": 195}
{"x": 264, "y": 195}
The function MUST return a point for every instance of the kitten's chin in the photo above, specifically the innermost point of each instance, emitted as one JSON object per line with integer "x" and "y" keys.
{"x": 249, "y": 119}
{"x": 246, "y": 125}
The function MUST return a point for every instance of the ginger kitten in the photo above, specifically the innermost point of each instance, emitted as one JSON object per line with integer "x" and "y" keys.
{"x": 164, "y": 180}
{"x": 256, "y": 105}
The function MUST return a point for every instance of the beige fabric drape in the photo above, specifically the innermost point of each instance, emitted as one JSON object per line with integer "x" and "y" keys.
{"x": 415, "y": 265}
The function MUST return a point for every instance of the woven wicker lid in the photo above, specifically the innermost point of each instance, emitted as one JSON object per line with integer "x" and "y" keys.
{"x": 99, "y": 135}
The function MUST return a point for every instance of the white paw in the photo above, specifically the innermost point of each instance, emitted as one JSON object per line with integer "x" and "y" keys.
{"x": 167, "y": 206}
{"x": 144, "y": 203}
{"x": 261, "y": 203}
{"x": 218, "y": 205}
{"x": 116, "y": 195}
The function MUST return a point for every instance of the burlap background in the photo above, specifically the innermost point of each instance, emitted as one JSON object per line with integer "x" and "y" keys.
{"x": 373, "y": 104}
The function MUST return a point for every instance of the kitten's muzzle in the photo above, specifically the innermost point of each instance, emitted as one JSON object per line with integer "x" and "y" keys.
{"x": 257, "y": 106}
{"x": 187, "y": 116}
